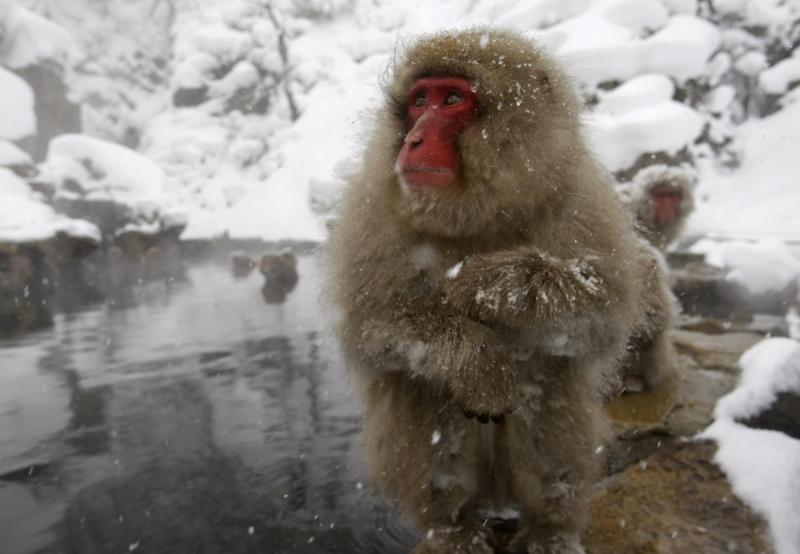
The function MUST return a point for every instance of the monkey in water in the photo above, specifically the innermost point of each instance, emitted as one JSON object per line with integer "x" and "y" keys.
{"x": 487, "y": 280}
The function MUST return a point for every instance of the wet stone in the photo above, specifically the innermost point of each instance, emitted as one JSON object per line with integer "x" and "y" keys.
{"x": 714, "y": 351}
{"x": 699, "y": 390}
{"x": 677, "y": 500}
{"x": 765, "y": 324}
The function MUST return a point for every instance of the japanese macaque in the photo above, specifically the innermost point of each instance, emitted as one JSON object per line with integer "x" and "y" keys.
{"x": 280, "y": 276}
{"x": 650, "y": 359}
{"x": 661, "y": 200}
{"x": 488, "y": 280}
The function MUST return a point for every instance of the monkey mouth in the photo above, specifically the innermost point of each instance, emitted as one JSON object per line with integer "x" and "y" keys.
{"x": 423, "y": 177}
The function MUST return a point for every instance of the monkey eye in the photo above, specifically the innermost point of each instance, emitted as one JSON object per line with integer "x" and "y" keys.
{"x": 453, "y": 99}
{"x": 420, "y": 100}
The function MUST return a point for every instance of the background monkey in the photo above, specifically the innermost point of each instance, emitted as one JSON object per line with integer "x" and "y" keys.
{"x": 661, "y": 199}
{"x": 484, "y": 267}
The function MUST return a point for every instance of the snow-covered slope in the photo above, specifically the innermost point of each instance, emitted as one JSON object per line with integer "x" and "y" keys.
{"x": 253, "y": 110}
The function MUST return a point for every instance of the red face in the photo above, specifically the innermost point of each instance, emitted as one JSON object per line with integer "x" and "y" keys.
{"x": 439, "y": 108}
{"x": 667, "y": 202}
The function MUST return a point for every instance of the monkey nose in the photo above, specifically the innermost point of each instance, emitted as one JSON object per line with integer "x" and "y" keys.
{"x": 413, "y": 139}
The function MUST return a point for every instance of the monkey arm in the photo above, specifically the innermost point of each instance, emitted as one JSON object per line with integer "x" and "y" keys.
{"x": 449, "y": 350}
{"x": 575, "y": 305}
{"x": 524, "y": 285}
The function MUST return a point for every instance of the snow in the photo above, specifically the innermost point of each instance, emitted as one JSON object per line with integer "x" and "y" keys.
{"x": 26, "y": 218}
{"x": 640, "y": 117}
{"x": 751, "y": 64}
{"x": 769, "y": 481}
{"x": 682, "y": 48}
{"x": 604, "y": 43}
{"x": 90, "y": 169}
{"x": 776, "y": 79}
{"x": 760, "y": 198}
{"x": 638, "y": 92}
{"x": 666, "y": 126}
{"x": 11, "y": 154}
{"x": 27, "y": 38}
{"x": 453, "y": 272}
{"x": 768, "y": 368}
{"x": 762, "y": 266}
{"x": 17, "y": 119}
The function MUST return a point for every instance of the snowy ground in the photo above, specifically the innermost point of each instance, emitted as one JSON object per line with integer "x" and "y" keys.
{"x": 263, "y": 135}
{"x": 763, "y": 465}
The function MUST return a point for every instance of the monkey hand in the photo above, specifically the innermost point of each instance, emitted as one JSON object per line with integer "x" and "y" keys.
{"x": 486, "y": 386}
{"x": 512, "y": 287}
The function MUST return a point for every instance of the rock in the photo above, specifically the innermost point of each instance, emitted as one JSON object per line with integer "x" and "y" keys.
{"x": 783, "y": 415}
{"x": 752, "y": 277}
{"x": 55, "y": 114}
{"x": 763, "y": 324}
{"x": 280, "y": 273}
{"x": 242, "y": 263}
{"x": 24, "y": 288}
{"x": 116, "y": 188}
{"x": 677, "y": 500}
{"x": 189, "y": 97}
{"x": 702, "y": 289}
{"x": 699, "y": 390}
{"x": 714, "y": 351}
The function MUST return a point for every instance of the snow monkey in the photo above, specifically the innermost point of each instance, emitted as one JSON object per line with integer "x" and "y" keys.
{"x": 488, "y": 279}
{"x": 661, "y": 200}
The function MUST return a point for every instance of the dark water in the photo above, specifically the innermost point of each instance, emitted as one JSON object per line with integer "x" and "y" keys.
{"x": 192, "y": 417}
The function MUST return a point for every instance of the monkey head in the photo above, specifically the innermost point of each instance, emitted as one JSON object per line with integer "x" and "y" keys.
{"x": 662, "y": 200}
{"x": 481, "y": 129}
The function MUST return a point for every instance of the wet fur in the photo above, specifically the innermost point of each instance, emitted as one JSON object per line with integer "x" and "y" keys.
{"x": 534, "y": 325}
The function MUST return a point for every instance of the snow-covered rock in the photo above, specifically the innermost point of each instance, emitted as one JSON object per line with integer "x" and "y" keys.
{"x": 640, "y": 117}
{"x": 762, "y": 267}
{"x": 11, "y": 155}
{"x": 26, "y": 38}
{"x": 762, "y": 465}
{"x": 89, "y": 175}
{"x": 607, "y": 42}
{"x": 778, "y": 78}
{"x": 24, "y": 217}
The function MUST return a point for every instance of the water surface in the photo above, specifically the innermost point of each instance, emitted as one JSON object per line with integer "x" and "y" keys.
{"x": 186, "y": 416}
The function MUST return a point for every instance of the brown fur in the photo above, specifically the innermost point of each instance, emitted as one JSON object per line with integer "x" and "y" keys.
{"x": 641, "y": 203}
{"x": 531, "y": 326}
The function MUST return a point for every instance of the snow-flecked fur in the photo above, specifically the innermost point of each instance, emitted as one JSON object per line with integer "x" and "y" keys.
{"x": 641, "y": 203}
{"x": 528, "y": 327}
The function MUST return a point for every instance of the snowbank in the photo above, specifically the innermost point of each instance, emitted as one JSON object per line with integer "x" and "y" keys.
{"x": 760, "y": 198}
{"x": 608, "y": 41}
{"x": 763, "y": 466}
{"x": 93, "y": 170}
{"x": 761, "y": 267}
{"x": 25, "y": 218}
{"x": 11, "y": 154}
{"x": 640, "y": 117}
{"x": 17, "y": 119}
{"x": 27, "y": 38}
{"x": 776, "y": 79}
